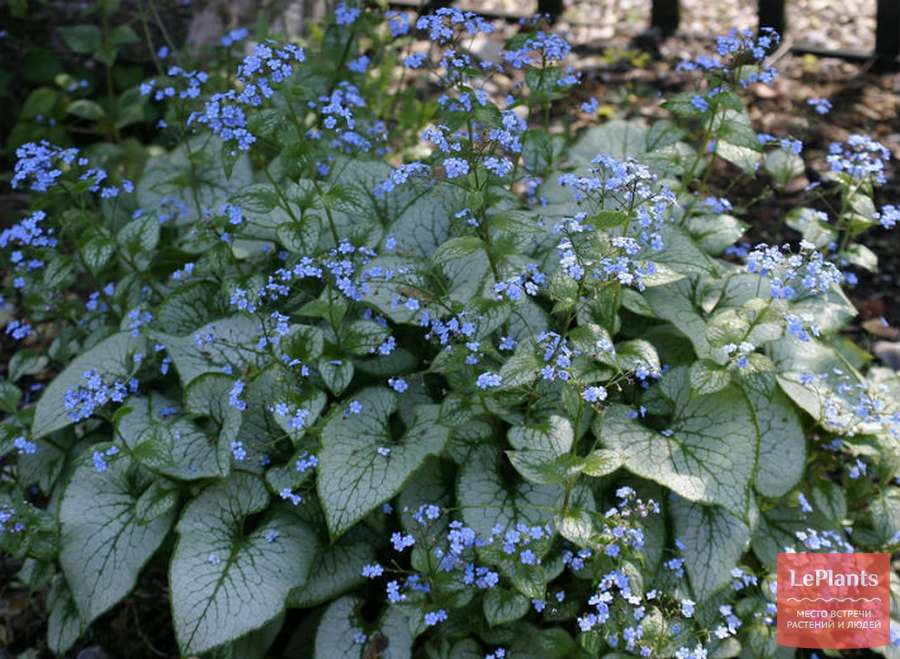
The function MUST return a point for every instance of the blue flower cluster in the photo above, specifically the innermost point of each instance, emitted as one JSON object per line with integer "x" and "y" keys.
{"x": 39, "y": 165}
{"x": 860, "y": 157}
{"x": 82, "y": 401}
{"x": 792, "y": 276}
{"x": 179, "y": 82}
{"x": 269, "y": 65}
{"x": 8, "y": 521}
{"x": 742, "y": 53}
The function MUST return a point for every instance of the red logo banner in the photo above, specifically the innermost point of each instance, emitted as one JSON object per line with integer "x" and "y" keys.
{"x": 835, "y": 601}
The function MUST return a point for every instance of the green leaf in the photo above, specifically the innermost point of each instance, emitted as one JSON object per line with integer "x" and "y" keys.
{"x": 707, "y": 377}
{"x": 40, "y": 102}
{"x": 86, "y": 109}
{"x": 489, "y": 499}
{"x": 884, "y": 509}
{"x": 140, "y": 235}
{"x": 10, "y": 395}
{"x": 782, "y": 444}
{"x": 194, "y": 166}
{"x": 544, "y": 467}
{"x": 862, "y": 256}
{"x": 829, "y": 500}
{"x": 103, "y": 544}
{"x": 254, "y": 645}
{"x": 26, "y": 362}
{"x": 336, "y": 569}
{"x": 756, "y": 321}
{"x": 97, "y": 252}
{"x": 502, "y": 606}
{"x": 83, "y": 39}
{"x": 156, "y": 501}
{"x": 336, "y": 373}
{"x": 522, "y": 368}
{"x": 233, "y": 344}
{"x": 353, "y": 478}
{"x": 189, "y": 307}
{"x": 111, "y": 358}
{"x": 123, "y": 35}
{"x": 774, "y": 531}
{"x": 715, "y": 233}
{"x": 783, "y": 165}
{"x": 554, "y": 434}
{"x": 207, "y": 396}
{"x": 171, "y": 445}
{"x": 543, "y": 451}
{"x": 63, "y": 620}
{"x": 813, "y": 225}
{"x": 465, "y": 266}
{"x": 710, "y": 453}
{"x": 601, "y": 462}
{"x": 617, "y": 138}
{"x": 424, "y": 223}
{"x": 681, "y": 254}
{"x": 313, "y": 403}
{"x": 226, "y": 580}
{"x": 742, "y": 157}
{"x": 714, "y": 541}
{"x": 336, "y": 634}
{"x": 362, "y": 337}
{"x": 636, "y": 353}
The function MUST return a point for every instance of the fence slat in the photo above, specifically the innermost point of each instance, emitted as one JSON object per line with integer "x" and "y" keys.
{"x": 771, "y": 13}
{"x": 665, "y": 16}
{"x": 551, "y": 8}
{"x": 887, "y": 31}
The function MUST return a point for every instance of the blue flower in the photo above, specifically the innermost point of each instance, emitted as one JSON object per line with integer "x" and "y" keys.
{"x": 238, "y": 451}
{"x": 233, "y": 213}
{"x": 23, "y": 446}
{"x": 401, "y": 541}
{"x": 398, "y": 384}
{"x": 594, "y": 394}
{"x": 344, "y": 15}
{"x": 234, "y": 36}
{"x": 860, "y": 157}
{"x": 287, "y": 495}
{"x": 889, "y": 216}
{"x": 398, "y": 23}
{"x": 234, "y": 396}
{"x": 456, "y": 167}
{"x": 40, "y": 164}
{"x": 18, "y": 329}
{"x": 305, "y": 462}
{"x": 359, "y": 65}
{"x": 820, "y": 105}
{"x": 98, "y": 458}
{"x": 440, "y": 25}
{"x": 488, "y": 380}
{"x": 434, "y": 617}
{"x": 498, "y": 166}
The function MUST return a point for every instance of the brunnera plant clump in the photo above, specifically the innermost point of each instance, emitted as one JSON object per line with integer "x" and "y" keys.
{"x": 519, "y": 392}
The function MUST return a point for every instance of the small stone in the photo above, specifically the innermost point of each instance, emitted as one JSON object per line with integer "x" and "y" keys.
{"x": 888, "y": 352}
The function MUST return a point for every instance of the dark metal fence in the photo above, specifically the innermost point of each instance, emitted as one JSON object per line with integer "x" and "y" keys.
{"x": 665, "y": 17}
{"x": 771, "y": 13}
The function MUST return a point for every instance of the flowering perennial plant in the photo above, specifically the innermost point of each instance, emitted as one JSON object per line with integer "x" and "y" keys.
{"x": 442, "y": 380}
